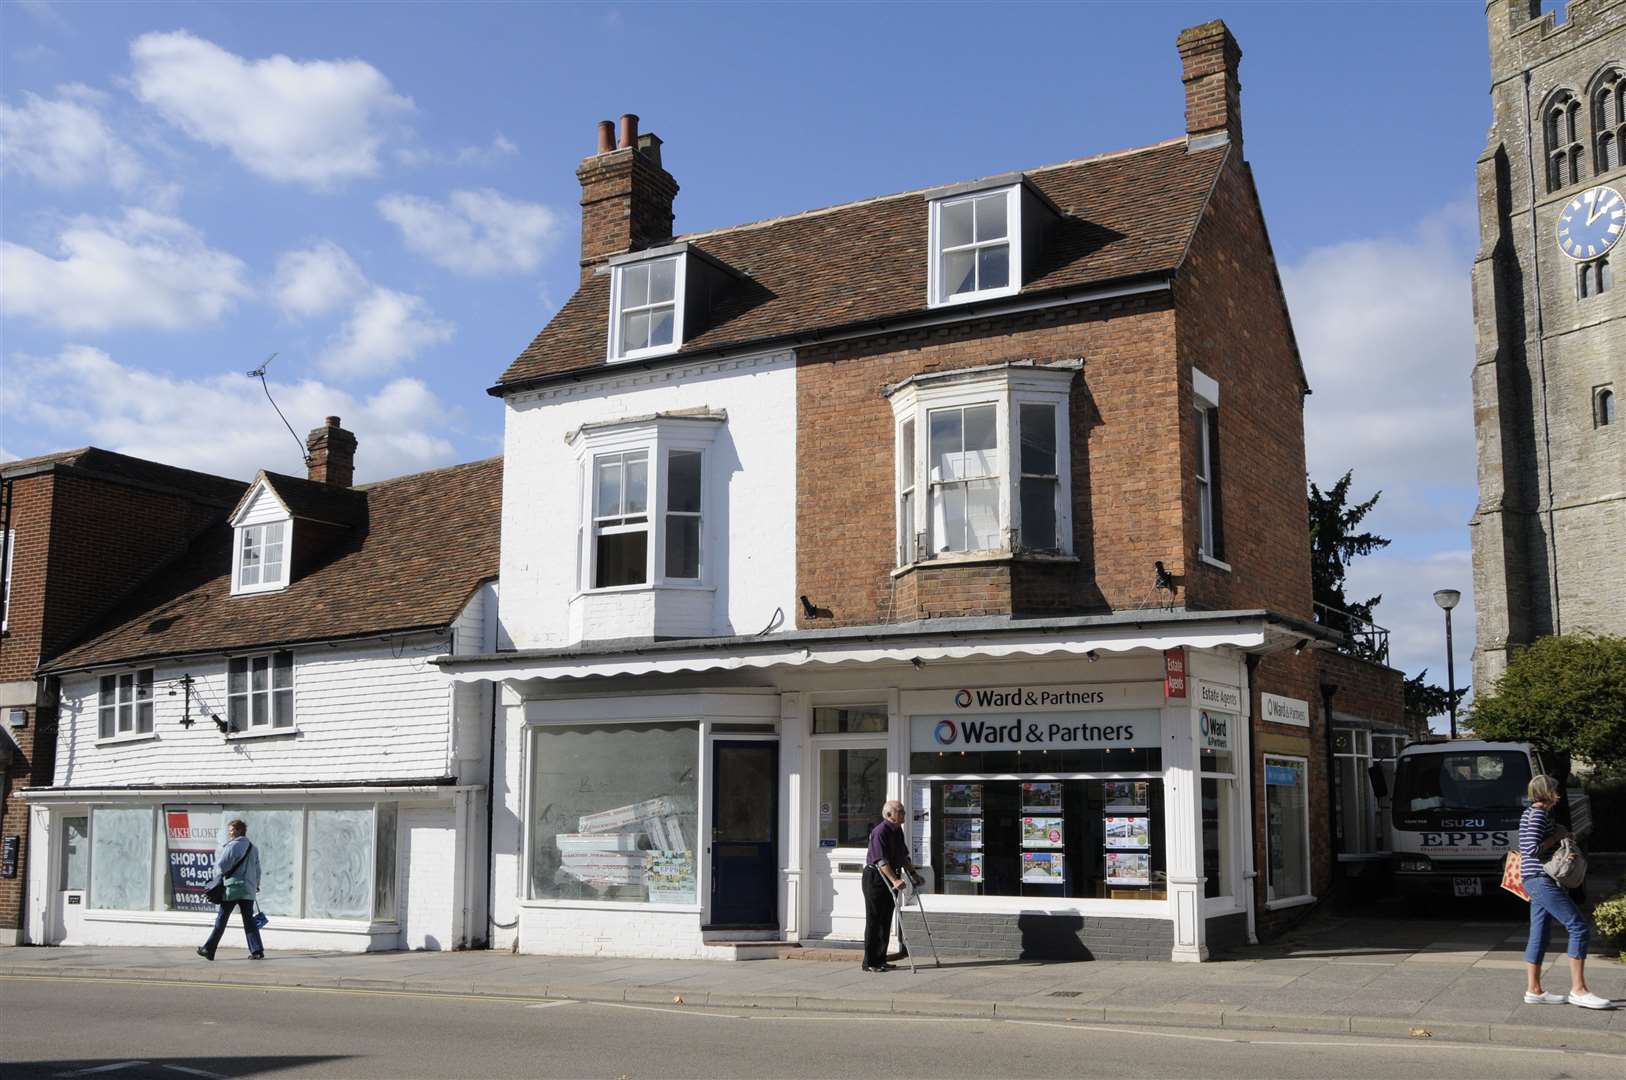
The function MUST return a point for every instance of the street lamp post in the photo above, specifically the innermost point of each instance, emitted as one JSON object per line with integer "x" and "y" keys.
{"x": 1447, "y": 599}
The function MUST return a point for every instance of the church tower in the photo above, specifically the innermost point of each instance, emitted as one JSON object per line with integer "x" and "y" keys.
{"x": 1549, "y": 281}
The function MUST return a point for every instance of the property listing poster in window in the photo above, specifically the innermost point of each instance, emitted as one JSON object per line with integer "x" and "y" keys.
{"x": 1129, "y": 868}
{"x": 962, "y": 833}
{"x": 192, "y": 833}
{"x": 962, "y": 799}
{"x": 962, "y": 866}
{"x": 1128, "y": 832}
{"x": 1042, "y": 832}
{"x": 1043, "y": 868}
{"x": 1042, "y": 797}
{"x": 1126, "y": 796}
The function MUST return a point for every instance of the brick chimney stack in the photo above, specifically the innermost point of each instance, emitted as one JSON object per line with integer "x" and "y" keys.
{"x": 332, "y": 452}
{"x": 626, "y": 195}
{"x": 1210, "y": 56}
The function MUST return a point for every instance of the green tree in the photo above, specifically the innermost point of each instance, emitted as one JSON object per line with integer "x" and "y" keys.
{"x": 1335, "y": 540}
{"x": 1565, "y": 693}
{"x": 1425, "y": 700}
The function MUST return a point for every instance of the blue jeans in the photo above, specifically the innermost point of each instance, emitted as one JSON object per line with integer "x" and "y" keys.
{"x": 1549, "y": 901}
{"x": 250, "y": 931}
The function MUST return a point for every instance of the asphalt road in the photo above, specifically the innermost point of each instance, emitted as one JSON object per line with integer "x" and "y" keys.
{"x": 168, "y": 1031}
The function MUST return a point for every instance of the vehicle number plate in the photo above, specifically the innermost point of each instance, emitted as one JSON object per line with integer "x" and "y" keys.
{"x": 1467, "y": 886}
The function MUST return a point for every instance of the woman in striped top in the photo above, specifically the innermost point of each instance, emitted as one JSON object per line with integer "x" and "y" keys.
{"x": 1538, "y": 835}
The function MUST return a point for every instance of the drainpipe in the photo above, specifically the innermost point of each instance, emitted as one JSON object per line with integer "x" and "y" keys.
{"x": 1250, "y": 872}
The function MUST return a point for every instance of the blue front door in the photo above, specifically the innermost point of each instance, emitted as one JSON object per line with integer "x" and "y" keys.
{"x": 744, "y": 829}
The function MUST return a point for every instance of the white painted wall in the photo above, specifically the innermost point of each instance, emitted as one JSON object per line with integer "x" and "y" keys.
{"x": 753, "y": 458}
{"x": 429, "y": 893}
{"x": 367, "y": 712}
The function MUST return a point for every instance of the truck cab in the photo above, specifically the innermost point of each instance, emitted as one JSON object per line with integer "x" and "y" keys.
{"x": 1454, "y": 814}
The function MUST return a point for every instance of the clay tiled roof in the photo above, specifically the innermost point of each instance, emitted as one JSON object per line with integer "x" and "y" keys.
{"x": 93, "y": 460}
{"x": 1127, "y": 215}
{"x": 421, "y": 546}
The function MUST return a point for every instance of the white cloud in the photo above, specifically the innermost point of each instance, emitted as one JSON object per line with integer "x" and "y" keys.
{"x": 474, "y": 232}
{"x": 385, "y": 329}
{"x": 1386, "y": 331}
{"x": 142, "y": 270}
{"x": 500, "y": 146}
{"x": 314, "y": 122}
{"x": 317, "y": 280}
{"x": 64, "y": 142}
{"x": 220, "y": 424}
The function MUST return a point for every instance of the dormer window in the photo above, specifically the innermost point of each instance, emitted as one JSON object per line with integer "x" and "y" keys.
{"x": 975, "y": 245}
{"x": 646, "y": 301}
{"x": 262, "y": 562}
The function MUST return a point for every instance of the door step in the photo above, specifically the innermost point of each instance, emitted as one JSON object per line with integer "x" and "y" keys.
{"x": 733, "y": 948}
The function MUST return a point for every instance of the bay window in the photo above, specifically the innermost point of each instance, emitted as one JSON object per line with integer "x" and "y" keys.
{"x": 981, "y": 496}
{"x": 620, "y": 519}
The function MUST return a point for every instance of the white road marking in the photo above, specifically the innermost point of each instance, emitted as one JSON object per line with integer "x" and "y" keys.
{"x": 553, "y": 1004}
{"x": 196, "y": 1072}
{"x": 104, "y": 1068}
{"x": 656, "y": 1008}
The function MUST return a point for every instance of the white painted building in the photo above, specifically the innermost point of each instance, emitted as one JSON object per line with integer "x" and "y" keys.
{"x": 280, "y": 673}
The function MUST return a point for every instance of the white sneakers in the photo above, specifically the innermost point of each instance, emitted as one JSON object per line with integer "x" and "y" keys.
{"x": 1587, "y": 1001}
{"x": 1544, "y": 998}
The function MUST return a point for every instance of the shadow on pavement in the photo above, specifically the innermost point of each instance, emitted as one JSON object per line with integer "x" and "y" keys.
{"x": 205, "y": 1068}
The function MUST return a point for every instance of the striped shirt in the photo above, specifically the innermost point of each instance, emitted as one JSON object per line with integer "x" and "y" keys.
{"x": 1534, "y": 825}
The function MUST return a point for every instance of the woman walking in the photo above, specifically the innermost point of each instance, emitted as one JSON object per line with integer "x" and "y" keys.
{"x": 1539, "y": 834}
{"x": 237, "y": 865}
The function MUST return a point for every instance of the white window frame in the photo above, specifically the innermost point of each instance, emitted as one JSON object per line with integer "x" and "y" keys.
{"x": 937, "y": 295}
{"x": 1007, "y": 389}
{"x": 1206, "y": 399}
{"x": 595, "y": 520}
{"x": 618, "y": 271}
{"x": 657, "y": 437}
{"x": 10, "y": 555}
{"x": 1309, "y": 869}
{"x": 127, "y": 701}
{"x": 240, "y": 535}
{"x": 270, "y": 726}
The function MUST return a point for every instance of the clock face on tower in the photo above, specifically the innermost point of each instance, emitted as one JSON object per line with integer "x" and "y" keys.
{"x": 1591, "y": 223}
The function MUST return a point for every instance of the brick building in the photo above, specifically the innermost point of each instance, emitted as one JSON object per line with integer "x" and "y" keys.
{"x": 83, "y": 528}
{"x": 988, "y": 498}
{"x": 1550, "y": 320}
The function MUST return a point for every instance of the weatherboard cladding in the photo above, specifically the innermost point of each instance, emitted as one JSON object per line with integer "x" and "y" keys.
{"x": 1129, "y": 215}
{"x": 417, "y": 549}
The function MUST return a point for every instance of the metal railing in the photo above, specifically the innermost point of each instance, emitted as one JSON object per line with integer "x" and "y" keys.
{"x": 1362, "y": 637}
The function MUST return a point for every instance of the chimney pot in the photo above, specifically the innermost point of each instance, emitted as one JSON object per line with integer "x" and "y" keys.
{"x": 606, "y": 136}
{"x": 332, "y": 453}
{"x": 629, "y": 132}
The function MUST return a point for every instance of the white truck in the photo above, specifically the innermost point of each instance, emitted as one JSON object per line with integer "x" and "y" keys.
{"x": 1454, "y": 812}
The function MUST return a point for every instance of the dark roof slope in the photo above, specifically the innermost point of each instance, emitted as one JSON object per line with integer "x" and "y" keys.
{"x": 423, "y": 544}
{"x": 1128, "y": 215}
{"x": 93, "y": 460}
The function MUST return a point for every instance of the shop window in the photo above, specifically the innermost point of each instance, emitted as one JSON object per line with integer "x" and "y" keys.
{"x": 384, "y": 865}
{"x": 339, "y": 863}
{"x": 260, "y": 692}
{"x": 614, "y": 813}
{"x": 75, "y": 853}
{"x": 278, "y": 835}
{"x": 124, "y": 704}
{"x": 1287, "y": 829}
{"x": 852, "y": 789}
{"x": 1353, "y": 818}
{"x": 848, "y": 719}
{"x": 1101, "y": 838}
{"x": 121, "y": 858}
{"x": 1218, "y": 815}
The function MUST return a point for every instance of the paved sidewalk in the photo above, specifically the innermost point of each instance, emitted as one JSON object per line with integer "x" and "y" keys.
{"x": 1459, "y": 982}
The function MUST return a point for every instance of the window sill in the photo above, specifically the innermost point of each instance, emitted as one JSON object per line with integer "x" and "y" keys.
{"x": 287, "y": 732}
{"x": 983, "y": 558}
{"x": 207, "y": 918}
{"x": 255, "y": 590}
{"x": 645, "y": 354}
{"x": 120, "y": 740}
{"x": 1290, "y": 902}
{"x": 973, "y": 297}
{"x": 611, "y": 905}
{"x": 672, "y": 586}
{"x": 1217, "y": 564}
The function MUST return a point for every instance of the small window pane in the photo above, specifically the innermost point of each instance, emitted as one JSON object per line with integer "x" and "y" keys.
{"x": 949, "y": 518}
{"x": 945, "y": 444}
{"x": 960, "y": 272}
{"x": 662, "y": 281}
{"x": 105, "y": 697}
{"x": 282, "y": 708}
{"x": 1606, "y": 407}
{"x": 1039, "y": 439}
{"x": 980, "y": 440}
{"x": 622, "y": 559}
{"x": 991, "y": 218}
{"x": 637, "y": 466}
{"x": 635, "y": 332}
{"x": 982, "y": 514}
{"x": 906, "y": 456}
{"x": 237, "y": 713}
{"x": 143, "y": 685}
{"x": 994, "y": 267}
{"x": 608, "y": 487}
{"x": 956, "y": 222}
{"x": 75, "y": 853}
{"x": 126, "y": 717}
{"x": 635, "y": 286}
{"x": 660, "y": 326}
{"x": 683, "y": 481}
{"x": 258, "y": 717}
{"x": 144, "y": 717}
{"x": 682, "y": 547}
{"x": 283, "y": 670}
{"x": 1039, "y": 513}
{"x": 237, "y": 677}
{"x": 851, "y": 719}
{"x": 258, "y": 671}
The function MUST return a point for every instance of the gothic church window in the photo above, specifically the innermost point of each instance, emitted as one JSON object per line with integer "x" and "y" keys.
{"x": 1594, "y": 277}
{"x": 1609, "y": 119}
{"x": 1603, "y": 406}
{"x": 1563, "y": 131}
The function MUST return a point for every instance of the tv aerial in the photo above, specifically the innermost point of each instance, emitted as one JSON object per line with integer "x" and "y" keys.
{"x": 259, "y": 373}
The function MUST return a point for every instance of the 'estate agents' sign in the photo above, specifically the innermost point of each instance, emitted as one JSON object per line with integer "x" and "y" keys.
{"x": 1214, "y": 696}
{"x": 1284, "y": 710}
{"x": 1174, "y": 673}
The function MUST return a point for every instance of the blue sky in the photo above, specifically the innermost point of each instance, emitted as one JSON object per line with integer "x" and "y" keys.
{"x": 384, "y": 196}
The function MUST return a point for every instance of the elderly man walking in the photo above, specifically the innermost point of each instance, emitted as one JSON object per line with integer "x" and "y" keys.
{"x": 884, "y": 867}
{"x": 237, "y": 865}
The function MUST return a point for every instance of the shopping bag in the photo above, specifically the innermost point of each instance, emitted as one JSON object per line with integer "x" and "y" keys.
{"x": 260, "y": 920}
{"x": 1512, "y": 876}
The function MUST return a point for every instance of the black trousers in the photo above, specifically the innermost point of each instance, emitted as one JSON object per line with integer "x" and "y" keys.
{"x": 879, "y": 904}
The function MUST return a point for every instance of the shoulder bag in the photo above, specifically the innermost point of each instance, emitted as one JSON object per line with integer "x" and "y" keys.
{"x": 1566, "y": 865}
{"x": 216, "y": 892}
